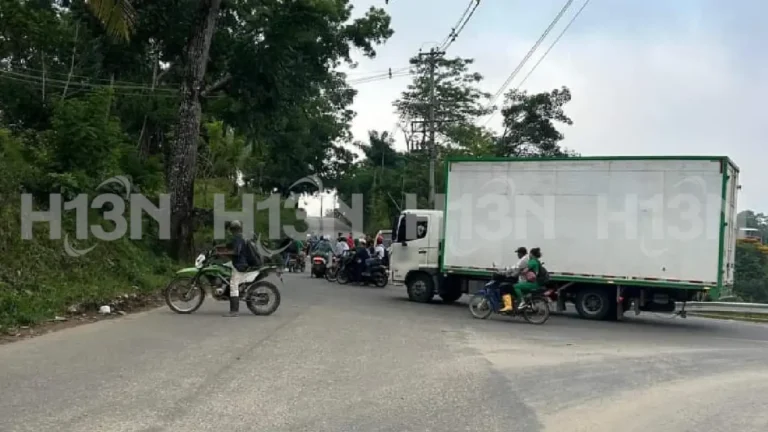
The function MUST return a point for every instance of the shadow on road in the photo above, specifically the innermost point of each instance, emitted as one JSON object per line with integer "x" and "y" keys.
{"x": 435, "y": 303}
{"x": 646, "y": 324}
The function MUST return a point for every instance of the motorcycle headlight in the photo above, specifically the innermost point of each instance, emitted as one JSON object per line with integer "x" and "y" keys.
{"x": 200, "y": 261}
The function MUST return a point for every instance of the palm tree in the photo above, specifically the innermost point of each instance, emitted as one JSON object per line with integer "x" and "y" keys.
{"x": 117, "y": 16}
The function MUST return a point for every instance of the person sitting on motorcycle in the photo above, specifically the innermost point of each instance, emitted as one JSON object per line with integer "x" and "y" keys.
{"x": 529, "y": 277}
{"x": 341, "y": 246}
{"x": 516, "y": 271}
{"x": 361, "y": 259}
{"x": 379, "y": 250}
{"x": 324, "y": 249}
{"x": 237, "y": 252}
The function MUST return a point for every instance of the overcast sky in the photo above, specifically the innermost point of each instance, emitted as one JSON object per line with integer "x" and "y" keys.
{"x": 648, "y": 77}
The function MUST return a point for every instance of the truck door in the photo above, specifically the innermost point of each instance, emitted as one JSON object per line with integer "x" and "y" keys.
{"x": 410, "y": 248}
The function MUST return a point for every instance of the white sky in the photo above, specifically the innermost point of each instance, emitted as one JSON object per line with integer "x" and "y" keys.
{"x": 647, "y": 77}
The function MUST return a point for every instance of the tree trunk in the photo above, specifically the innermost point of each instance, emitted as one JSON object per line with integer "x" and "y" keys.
{"x": 183, "y": 154}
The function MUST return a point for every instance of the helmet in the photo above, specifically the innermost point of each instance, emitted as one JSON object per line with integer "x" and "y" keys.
{"x": 362, "y": 241}
{"x": 235, "y": 225}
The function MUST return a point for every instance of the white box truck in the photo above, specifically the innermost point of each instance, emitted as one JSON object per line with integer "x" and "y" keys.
{"x": 616, "y": 233}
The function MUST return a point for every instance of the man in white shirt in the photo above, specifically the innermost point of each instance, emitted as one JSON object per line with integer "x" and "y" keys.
{"x": 341, "y": 246}
{"x": 379, "y": 251}
{"x": 519, "y": 271}
{"x": 522, "y": 263}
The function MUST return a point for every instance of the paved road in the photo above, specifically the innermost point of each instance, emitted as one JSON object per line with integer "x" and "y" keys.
{"x": 362, "y": 359}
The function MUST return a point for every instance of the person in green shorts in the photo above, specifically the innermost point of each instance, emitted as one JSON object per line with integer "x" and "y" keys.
{"x": 522, "y": 288}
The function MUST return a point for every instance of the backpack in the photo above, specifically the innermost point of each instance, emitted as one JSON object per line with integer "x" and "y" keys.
{"x": 543, "y": 277}
{"x": 251, "y": 254}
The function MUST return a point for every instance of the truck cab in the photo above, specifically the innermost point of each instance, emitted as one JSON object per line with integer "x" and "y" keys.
{"x": 415, "y": 255}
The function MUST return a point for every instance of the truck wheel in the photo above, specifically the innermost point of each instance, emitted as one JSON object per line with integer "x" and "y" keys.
{"x": 593, "y": 303}
{"x": 420, "y": 287}
{"x": 449, "y": 297}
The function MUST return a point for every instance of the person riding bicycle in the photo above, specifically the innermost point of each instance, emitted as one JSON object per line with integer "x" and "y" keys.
{"x": 237, "y": 250}
{"x": 516, "y": 271}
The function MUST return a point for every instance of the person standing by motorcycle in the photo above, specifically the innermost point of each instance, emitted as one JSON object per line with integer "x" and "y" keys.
{"x": 516, "y": 271}
{"x": 237, "y": 251}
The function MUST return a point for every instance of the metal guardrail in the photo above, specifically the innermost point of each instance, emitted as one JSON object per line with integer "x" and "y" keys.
{"x": 753, "y": 308}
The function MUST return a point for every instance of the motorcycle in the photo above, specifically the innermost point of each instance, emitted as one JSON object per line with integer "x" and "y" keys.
{"x": 331, "y": 274}
{"x": 211, "y": 277}
{"x": 333, "y": 270}
{"x": 375, "y": 273}
{"x": 487, "y": 301}
{"x": 297, "y": 263}
{"x": 319, "y": 266}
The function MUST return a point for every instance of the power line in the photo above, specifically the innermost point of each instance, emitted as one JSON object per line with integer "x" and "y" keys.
{"x": 141, "y": 88}
{"x": 95, "y": 80}
{"x": 460, "y": 24}
{"x": 529, "y": 54}
{"x": 551, "y": 46}
{"x": 58, "y": 84}
{"x": 565, "y": 29}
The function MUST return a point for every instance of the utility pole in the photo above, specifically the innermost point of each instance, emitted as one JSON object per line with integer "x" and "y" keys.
{"x": 432, "y": 57}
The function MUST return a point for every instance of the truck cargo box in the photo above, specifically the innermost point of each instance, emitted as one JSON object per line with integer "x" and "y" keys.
{"x": 637, "y": 220}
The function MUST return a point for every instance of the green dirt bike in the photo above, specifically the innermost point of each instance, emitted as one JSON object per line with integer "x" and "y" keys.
{"x": 211, "y": 276}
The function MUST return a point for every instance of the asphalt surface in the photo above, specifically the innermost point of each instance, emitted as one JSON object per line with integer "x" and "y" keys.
{"x": 346, "y": 358}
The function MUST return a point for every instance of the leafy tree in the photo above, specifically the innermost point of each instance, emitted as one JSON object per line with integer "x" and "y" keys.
{"x": 458, "y": 101}
{"x": 286, "y": 94}
{"x": 751, "y": 273}
{"x": 529, "y": 124}
{"x": 117, "y": 16}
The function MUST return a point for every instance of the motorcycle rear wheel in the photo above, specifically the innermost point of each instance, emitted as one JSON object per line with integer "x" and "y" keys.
{"x": 380, "y": 280}
{"x": 537, "y": 305}
{"x": 330, "y": 274}
{"x": 190, "y": 290}
{"x": 273, "y": 297}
